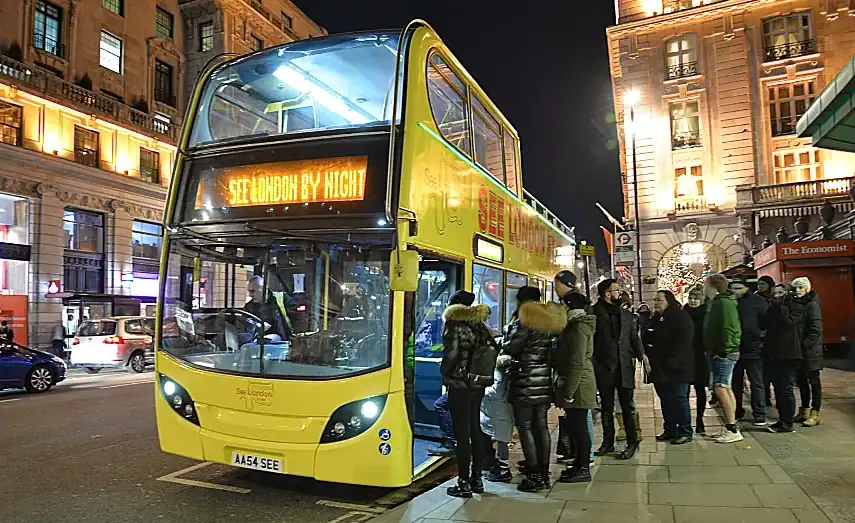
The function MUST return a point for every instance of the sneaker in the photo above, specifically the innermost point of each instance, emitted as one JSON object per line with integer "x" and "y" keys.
{"x": 778, "y": 428}
{"x": 730, "y": 437}
{"x": 461, "y": 490}
{"x": 443, "y": 450}
{"x": 496, "y": 476}
{"x": 759, "y": 423}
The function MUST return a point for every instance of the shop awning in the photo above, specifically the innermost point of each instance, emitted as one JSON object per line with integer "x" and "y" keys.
{"x": 830, "y": 120}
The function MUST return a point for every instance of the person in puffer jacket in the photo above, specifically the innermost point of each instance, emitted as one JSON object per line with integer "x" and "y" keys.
{"x": 531, "y": 337}
{"x": 468, "y": 364}
{"x": 497, "y": 423}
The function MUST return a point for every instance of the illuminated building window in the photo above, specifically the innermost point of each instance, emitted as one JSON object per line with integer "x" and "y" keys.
{"x": 47, "y": 29}
{"x": 788, "y": 36}
{"x": 488, "y": 289}
{"x": 510, "y": 145}
{"x": 85, "y": 146}
{"x": 114, "y": 6}
{"x": 787, "y": 103}
{"x": 163, "y": 83}
{"x": 257, "y": 43}
{"x": 83, "y": 260}
{"x": 10, "y": 123}
{"x": 206, "y": 36}
{"x": 689, "y": 188}
{"x": 685, "y": 125}
{"x": 149, "y": 166}
{"x": 147, "y": 239}
{"x": 797, "y": 165}
{"x": 681, "y": 58}
{"x": 488, "y": 139}
{"x": 163, "y": 23}
{"x": 447, "y": 94}
{"x": 111, "y": 52}
{"x": 287, "y": 21}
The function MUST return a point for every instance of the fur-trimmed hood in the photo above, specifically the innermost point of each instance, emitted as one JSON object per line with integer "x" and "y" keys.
{"x": 587, "y": 322}
{"x": 474, "y": 314}
{"x": 549, "y": 318}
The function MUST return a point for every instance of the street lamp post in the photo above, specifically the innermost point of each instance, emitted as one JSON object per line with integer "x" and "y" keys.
{"x": 632, "y": 98}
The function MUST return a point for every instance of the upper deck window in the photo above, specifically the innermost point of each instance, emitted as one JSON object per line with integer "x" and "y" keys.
{"x": 447, "y": 94}
{"x": 488, "y": 139}
{"x": 335, "y": 82}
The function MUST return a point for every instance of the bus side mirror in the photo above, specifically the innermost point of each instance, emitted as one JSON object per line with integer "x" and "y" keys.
{"x": 405, "y": 271}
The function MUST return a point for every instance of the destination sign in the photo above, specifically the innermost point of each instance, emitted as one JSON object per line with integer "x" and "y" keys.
{"x": 298, "y": 181}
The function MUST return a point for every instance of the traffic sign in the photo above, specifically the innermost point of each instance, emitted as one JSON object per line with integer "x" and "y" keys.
{"x": 587, "y": 250}
{"x": 625, "y": 248}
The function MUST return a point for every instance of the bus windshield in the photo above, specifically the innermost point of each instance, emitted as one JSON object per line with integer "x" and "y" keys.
{"x": 289, "y": 309}
{"x": 334, "y": 82}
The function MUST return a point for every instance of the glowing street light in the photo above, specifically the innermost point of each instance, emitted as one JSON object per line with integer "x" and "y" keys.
{"x": 632, "y": 97}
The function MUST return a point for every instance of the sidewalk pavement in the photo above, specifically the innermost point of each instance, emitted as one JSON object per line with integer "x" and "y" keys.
{"x": 804, "y": 477}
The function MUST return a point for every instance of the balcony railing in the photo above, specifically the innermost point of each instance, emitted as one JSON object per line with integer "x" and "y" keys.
{"x": 791, "y": 50}
{"x": 793, "y": 192}
{"x": 693, "y": 204}
{"x": 681, "y": 70}
{"x": 784, "y": 126}
{"x": 685, "y": 140}
{"x": 59, "y": 90}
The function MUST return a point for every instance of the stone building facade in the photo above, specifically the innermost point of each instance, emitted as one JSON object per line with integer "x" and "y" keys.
{"x": 720, "y": 86}
{"x": 92, "y": 98}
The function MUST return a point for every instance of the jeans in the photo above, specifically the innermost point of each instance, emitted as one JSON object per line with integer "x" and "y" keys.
{"x": 810, "y": 389}
{"x": 782, "y": 374}
{"x": 607, "y": 409}
{"x": 577, "y": 421}
{"x": 675, "y": 408}
{"x": 722, "y": 371}
{"x": 465, "y": 406}
{"x": 441, "y": 408}
{"x": 534, "y": 434}
{"x": 754, "y": 369}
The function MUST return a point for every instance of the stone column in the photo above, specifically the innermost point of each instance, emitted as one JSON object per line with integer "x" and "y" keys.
{"x": 48, "y": 242}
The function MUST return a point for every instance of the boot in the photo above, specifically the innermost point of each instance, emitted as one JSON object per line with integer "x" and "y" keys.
{"x": 461, "y": 490}
{"x": 803, "y": 415}
{"x": 638, "y": 427}
{"x": 533, "y": 481}
{"x": 629, "y": 451}
{"x": 608, "y": 445}
{"x": 477, "y": 484}
{"x": 545, "y": 473}
{"x": 621, "y": 433}
{"x": 812, "y": 419}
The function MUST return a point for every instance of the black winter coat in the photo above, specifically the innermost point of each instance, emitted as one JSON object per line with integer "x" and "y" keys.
{"x": 752, "y": 313}
{"x": 529, "y": 342}
{"x": 469, "y": 357}
{"x": 784, "y": 322}
{"x": 668, "y": 345}
{"x": 702, "y": 366}
{"x": 613, "y": 354}
{"x": 811, "y": 333}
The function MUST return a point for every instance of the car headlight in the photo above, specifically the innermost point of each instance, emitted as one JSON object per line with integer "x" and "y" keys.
{"x": 178, "y": 398}
{"x": 352, "y": 419}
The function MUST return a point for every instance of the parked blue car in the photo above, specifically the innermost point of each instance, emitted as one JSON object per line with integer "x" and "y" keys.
{"x": 22, "y": 367}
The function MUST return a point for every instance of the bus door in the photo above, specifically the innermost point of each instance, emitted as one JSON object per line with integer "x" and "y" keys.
{"x": 438, "y": 280}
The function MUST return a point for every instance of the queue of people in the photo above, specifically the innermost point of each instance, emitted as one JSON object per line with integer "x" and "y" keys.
{"x": 567, "y": 354}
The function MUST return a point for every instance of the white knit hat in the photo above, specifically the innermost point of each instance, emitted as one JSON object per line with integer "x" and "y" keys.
{"x": 802, "y": 282}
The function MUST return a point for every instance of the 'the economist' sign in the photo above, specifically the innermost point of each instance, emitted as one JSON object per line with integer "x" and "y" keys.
{"x": 820, "y": 249}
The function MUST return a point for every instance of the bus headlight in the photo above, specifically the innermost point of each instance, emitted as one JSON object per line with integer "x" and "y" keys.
{"x": 353, "y": 419}
{"x": 178, "y": 398}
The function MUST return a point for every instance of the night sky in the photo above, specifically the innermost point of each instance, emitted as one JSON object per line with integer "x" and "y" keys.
{"x": 545, "y": 65}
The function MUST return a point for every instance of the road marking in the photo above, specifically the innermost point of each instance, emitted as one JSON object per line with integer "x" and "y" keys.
{"x": 351, "y": 506}
{"x": 353, "y": 517}
{"x": 173, "y": 478}
{"x": 7, "y": 401}
{"x": 126, "y": 384}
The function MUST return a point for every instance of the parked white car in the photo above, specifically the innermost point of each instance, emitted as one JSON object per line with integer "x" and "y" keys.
{"x": 122, "y": 341}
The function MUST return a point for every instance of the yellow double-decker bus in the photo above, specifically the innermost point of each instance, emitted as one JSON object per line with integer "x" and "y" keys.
{"x": 329, "y": 196}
